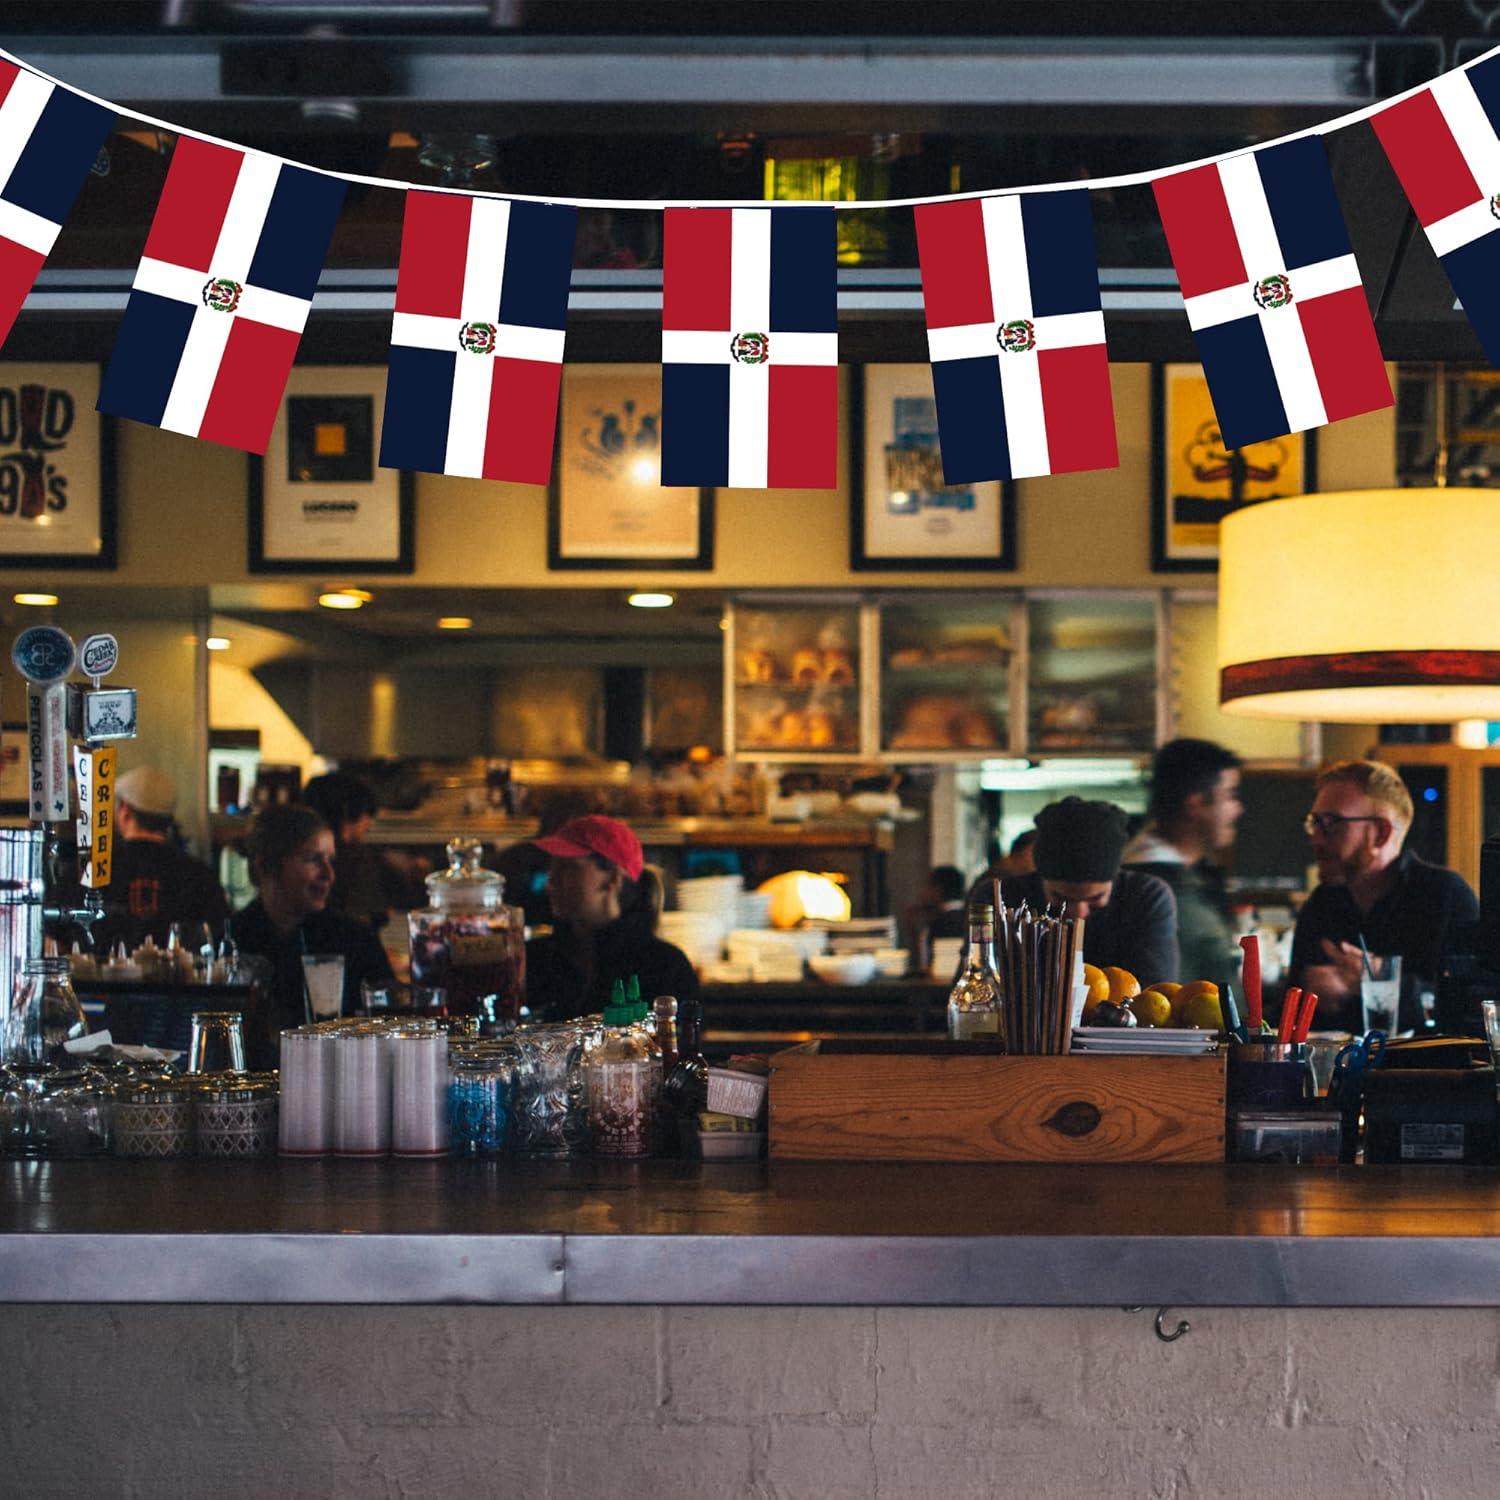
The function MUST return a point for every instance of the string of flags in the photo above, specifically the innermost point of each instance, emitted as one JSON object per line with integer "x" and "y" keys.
{"x": 1010, "y": 282}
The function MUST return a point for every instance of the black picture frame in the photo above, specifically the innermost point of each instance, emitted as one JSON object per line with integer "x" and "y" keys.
{"x": 1163, "y": 559}
{"x": 353, "y": 396}
{"x": 638, "y": 386}
{"x": 1005, "y": 560}
{"x": 105, "y": 556}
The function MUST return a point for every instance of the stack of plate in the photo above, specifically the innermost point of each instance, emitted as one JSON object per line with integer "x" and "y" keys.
{"x": 1162, "y": 1041}
{"x": 945, "y": 956}
{"x": 754, "y": 909}
{"x": 700, "y": 934}
{"x": 774, "y": 957}
{"x": 859, "y": 934}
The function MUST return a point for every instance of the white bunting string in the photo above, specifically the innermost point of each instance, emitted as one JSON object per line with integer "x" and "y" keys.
{"x": 1128, "y": 179}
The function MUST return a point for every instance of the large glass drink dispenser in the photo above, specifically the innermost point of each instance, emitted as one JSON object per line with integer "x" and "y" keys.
{"x": 468, "y": 941}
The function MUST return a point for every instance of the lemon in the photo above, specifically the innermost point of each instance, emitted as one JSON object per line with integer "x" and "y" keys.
{"x": 1123, "y": 985}
{"x": 1203, "y": 1012}
{"x": 1152, "y": 1008}
{"x": 1185, "y": 996}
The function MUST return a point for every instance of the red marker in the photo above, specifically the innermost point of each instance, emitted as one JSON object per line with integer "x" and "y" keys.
{"x": 1250, "y": 981}
{"x": 1288, "y": 1016}
{"x": 1304, "y": 1023}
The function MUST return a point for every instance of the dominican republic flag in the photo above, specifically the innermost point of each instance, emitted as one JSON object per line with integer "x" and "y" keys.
{"x": 1015, "y": 332}
{"x": 749, "y": 348}
{"x": 477, "y": 340}
{"x": 221, "y": 295}
{"x": 1272, "y": 291}
{"x": 49, "y": 138}
{"x": 1443, "y": 144}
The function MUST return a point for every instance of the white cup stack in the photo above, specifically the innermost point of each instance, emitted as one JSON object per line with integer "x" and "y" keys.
{"x": 419, "y": 1094}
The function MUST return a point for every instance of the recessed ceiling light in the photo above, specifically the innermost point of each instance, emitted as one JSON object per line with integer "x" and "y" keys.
{"x": 217, "y": 643}
{"x": 37, "y": 599}
{"x": 344, "y": 599}
{"x": 648, "y": 600}
{"x": 455, "y": 622}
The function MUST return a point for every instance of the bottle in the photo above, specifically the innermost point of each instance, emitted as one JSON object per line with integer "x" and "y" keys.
{"x": 621, "y": 1073}
{"x": 664, "y": 1008}
{"x": 46, "y": 1014}
{"x": 974, "y": 1002}
{"x": 685, "y": 1093}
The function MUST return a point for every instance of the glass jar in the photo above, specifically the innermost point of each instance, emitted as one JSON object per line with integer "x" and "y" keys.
{"x": 153, "y": 1117}
{"x": 549, "y": 1111}
{"x": 235, "y": 1115}
{"x": 46, "y": 1013}
{"x": 53, "y": 1111}
{"x": 481, "y": 1089}
{"x": 467, "y": 941}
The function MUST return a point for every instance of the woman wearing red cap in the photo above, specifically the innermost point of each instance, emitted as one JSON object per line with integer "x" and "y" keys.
{"x": 605, "y": 904}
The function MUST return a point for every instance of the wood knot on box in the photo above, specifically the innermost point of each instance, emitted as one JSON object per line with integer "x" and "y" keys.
{"x": 1076, "y": 1118}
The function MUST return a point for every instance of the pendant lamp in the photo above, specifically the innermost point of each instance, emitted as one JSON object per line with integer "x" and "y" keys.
{"x": 1369, "y": 606}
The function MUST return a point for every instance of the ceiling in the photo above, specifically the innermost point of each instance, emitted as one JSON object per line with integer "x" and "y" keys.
{"x": 640, "y": 100}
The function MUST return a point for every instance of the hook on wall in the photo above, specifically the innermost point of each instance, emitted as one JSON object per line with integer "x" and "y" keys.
{"x": 1170, "y": 1338}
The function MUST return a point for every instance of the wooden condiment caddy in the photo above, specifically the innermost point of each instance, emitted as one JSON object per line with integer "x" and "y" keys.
{"x": 944, "y": 1101}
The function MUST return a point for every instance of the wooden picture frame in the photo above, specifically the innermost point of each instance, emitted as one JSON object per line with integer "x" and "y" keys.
{"x": 319, "y": 500}
{"x": 1195, "y": 484}
{"x": 57, "y": 469}
{"x": 927, "y": 526}
{"x": 606, "y": 507}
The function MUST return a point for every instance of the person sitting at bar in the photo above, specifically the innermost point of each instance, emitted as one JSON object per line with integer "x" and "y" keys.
{"x": 524, "y": 865}
{"x": 291, "y": 854}
{"x": 1130, "y": 919}
{"x": 1372, "y": 890}
{"x": 155, "y": 882}
{"x": 605, "y": 904}
{"x": 367, "y": 883}
{"x": 1195, "y": 804}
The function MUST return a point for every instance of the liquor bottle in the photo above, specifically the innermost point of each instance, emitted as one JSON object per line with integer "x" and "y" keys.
{"x": 664, "y": 1009}
{"x": 974, "y": 1008}
{"x": 685, "y": 1093}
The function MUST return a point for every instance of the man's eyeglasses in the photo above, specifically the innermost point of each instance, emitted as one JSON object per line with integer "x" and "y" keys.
{"x": 1330, "y": 823}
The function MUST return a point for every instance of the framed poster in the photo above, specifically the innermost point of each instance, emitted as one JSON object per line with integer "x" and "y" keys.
{"x": 319, "y": 499}
{"x": 901, "y": 514}
{"x": 606, "y": 507}
{"x": 57, "y": 468}
{"x": 1196, "y": 481}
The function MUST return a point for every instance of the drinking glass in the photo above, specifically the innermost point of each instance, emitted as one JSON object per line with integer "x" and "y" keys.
{"x": 1380, "y": 993}
{"x": 323, "y": 985}
{"x": 1491, "y": 1009}
{"x": 388, "y": 997}
{"x": 217, "y": 1044}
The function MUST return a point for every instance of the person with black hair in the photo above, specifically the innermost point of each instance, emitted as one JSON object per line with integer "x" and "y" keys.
{"x": 1195, "y": 805}
{"x": 362, "y": 888}
{"x": 605, "y": 902}
{"x": 292, "y": 862}
{"x": 1130, "y": 918}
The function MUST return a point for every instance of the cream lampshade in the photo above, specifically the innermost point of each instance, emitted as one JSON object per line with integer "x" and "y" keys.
{"x": 1370, "y": 606}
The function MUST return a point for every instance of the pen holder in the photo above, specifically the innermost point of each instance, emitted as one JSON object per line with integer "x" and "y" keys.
{"x": 1267, "y": 1075}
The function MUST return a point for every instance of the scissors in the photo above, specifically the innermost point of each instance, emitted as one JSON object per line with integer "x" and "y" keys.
{"x": 1351, "y": 1062}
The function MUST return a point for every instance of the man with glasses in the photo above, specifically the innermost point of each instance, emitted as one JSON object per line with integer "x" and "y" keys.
{"x": 1373, "y": 889}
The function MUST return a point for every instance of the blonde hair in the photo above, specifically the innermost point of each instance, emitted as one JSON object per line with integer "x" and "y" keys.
{"x": 1379, "y": 782}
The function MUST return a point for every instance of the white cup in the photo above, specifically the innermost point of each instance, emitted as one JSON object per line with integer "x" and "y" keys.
{"x": 323, "y": 984}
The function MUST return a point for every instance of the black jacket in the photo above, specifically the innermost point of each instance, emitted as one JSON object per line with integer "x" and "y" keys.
{"x": 556, "y": 987}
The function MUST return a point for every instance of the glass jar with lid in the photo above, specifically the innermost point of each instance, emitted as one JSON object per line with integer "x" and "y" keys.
{"x": 153, "y": 1116}
{"x": 481, "y": 1090}
{"x": 468, "y": 941}
{"x": 45, "y": 1014}
{"x": 235, "y": 1115}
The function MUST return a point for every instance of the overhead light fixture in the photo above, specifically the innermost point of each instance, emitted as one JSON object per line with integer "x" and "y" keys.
{"x": 217, "y": 643}
{"x": 649, "y": 600}
{"x": 39, "y": 600}
{"x": 345, "y": 599}
{"x": 1364, "y": 607}
{"x": 1367, "y": 607}
{"x": 455, "y": 622}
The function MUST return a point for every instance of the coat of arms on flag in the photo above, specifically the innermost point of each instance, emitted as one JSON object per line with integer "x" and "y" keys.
{"x": 49, "y": 138}
{"x": 1444, "y": 143}
{"x": 221, "y": 295}
{"x": 1272, "y": 291}
{"x": 750, "y": 348}
{"x": 477, "y": 339}
{"x": 1015, "y": 332}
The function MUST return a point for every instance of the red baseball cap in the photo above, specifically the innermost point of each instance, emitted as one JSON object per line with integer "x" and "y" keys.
{"x": 609, "y": 838}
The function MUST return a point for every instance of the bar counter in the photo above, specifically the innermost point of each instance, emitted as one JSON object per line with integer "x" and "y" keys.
{"x": 334, "y": 1231}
